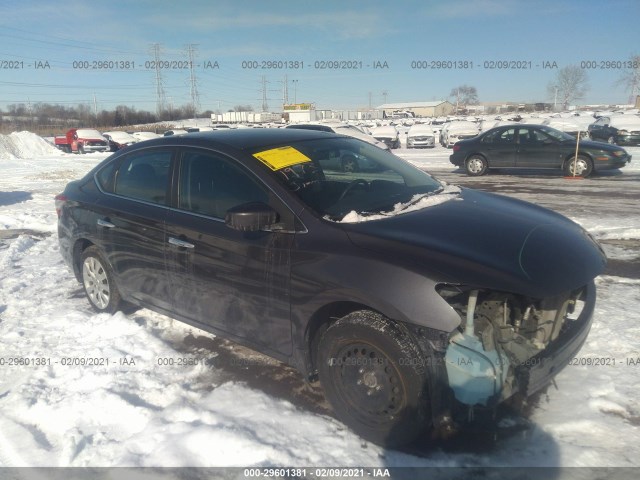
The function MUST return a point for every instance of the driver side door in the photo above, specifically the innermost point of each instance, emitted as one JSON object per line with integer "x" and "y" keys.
{"x": 229, "y": 280}
{"x": 536, "y": 149}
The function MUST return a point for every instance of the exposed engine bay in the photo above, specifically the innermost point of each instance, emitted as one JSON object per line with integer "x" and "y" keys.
{"x": 498, "y": 333}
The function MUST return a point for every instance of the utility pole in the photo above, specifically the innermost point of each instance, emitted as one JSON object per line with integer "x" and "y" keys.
{"x": 265, "y": 105}
{"x": 285, "y": 90}
{"x": 195, "y": 97}
{"x": 295, "y": 91}
{"x": 384, "y": 96}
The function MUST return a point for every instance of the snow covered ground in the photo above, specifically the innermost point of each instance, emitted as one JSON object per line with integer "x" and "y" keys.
{"x": 154, "y": 392}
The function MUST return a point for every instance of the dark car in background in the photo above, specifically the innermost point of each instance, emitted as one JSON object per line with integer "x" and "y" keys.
{"x": 119, "y": 140}
{"x": 535, "y": 146}
{"x": 412, "y": 301}
{"x": 616, "y": 129}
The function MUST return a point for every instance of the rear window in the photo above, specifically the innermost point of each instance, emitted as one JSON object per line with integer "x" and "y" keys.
{"x": 144, "y": 176}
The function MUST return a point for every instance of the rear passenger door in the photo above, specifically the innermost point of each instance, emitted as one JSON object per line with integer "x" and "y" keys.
{"x": 237, "y": 282}
{"x": 131, "y": 223}
{"x": 500, "y": 147}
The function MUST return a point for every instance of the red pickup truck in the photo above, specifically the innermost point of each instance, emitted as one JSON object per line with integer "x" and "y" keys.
{"x": 81, "y": 140}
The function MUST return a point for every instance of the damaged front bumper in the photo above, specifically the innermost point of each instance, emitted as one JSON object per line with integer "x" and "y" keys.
{"x": 540, "y": 369}
{"x": 508, "y": 344}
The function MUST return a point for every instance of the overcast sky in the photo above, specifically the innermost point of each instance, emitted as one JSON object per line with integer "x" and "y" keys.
{"x": 45, "y": 48}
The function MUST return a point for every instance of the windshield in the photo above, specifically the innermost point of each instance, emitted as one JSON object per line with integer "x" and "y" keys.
{"x": 338, "y": 176}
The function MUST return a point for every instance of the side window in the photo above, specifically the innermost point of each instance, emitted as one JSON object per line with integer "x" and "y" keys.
{"x": 211, "y": 185}
{"x": 530, "y": 136}
{"x": 105, "y": 178}
{"x": 144, "y": 176}
{"x": 507, "y": 136}
{"x": 501, "y": 136}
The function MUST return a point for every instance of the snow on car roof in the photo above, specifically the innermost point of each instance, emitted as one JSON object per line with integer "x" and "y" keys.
{"x": 625, "y": 121}
{"x": 88, "y": 133}
{"x": 420, "y": 128}
{"x": 463, "y": 126}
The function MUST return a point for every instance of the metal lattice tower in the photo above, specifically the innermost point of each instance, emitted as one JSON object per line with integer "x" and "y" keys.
{"x": 195, "y": 97}
{"x": 160, "y": 96}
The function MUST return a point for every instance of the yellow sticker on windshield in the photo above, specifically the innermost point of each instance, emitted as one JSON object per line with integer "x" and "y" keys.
{"x": 283, "y": 157}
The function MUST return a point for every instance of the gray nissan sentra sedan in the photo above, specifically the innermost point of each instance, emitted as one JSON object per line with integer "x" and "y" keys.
{"x": 409, "y": 299}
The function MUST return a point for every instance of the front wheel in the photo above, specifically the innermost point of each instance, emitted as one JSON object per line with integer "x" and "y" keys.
{"x": 476, "y": 165}
{"x": 373, "y": 375}
{"x": 578, "y": 167}
{"x": 98, "y": 282}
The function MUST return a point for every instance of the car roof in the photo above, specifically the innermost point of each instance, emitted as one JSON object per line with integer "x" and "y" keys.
{"x": 311, "y": 126}
{"x": 243, "y": 139}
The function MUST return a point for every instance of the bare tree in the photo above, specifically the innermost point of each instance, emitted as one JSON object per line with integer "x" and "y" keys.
{"x": 464, "y": 95}
{"x": 630, "y": 78}
{"x": 570, "y": 84}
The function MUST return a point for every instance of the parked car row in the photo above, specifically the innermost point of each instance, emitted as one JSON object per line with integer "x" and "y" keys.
{"x": 89, "y": 140}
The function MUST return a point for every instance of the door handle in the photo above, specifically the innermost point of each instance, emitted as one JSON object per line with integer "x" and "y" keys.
{"x": 180, "y": 243}
{"x": 105, "y": 223}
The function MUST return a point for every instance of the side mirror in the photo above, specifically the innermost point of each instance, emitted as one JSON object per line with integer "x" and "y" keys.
{"x": 251, "y": 217}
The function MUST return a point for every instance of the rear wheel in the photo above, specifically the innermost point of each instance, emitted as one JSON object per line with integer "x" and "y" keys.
{"x": 98, "y": 282}
{"x": 373, "y": 376}
{"x": 580, "y": 167}
{"x": 476, "y": 165}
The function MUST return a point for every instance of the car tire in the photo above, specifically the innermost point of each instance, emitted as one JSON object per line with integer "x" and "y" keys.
{"x": 373, "y": 377}
{"x": 98, "y": 282}
{"x": 80, "y": 149}
{"x": 584, "y": 167}
{"x": 476, "y": 165}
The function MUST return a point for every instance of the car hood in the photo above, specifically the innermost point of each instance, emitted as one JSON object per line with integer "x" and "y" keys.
{"x": 602, "y": 146}
{"x": 488, "y": 241}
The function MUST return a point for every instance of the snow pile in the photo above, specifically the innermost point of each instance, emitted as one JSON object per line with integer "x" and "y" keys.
{"x": 25, "y": 145}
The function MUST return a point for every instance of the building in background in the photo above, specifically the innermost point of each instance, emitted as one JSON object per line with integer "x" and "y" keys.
{"x": 439, "y": 108}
